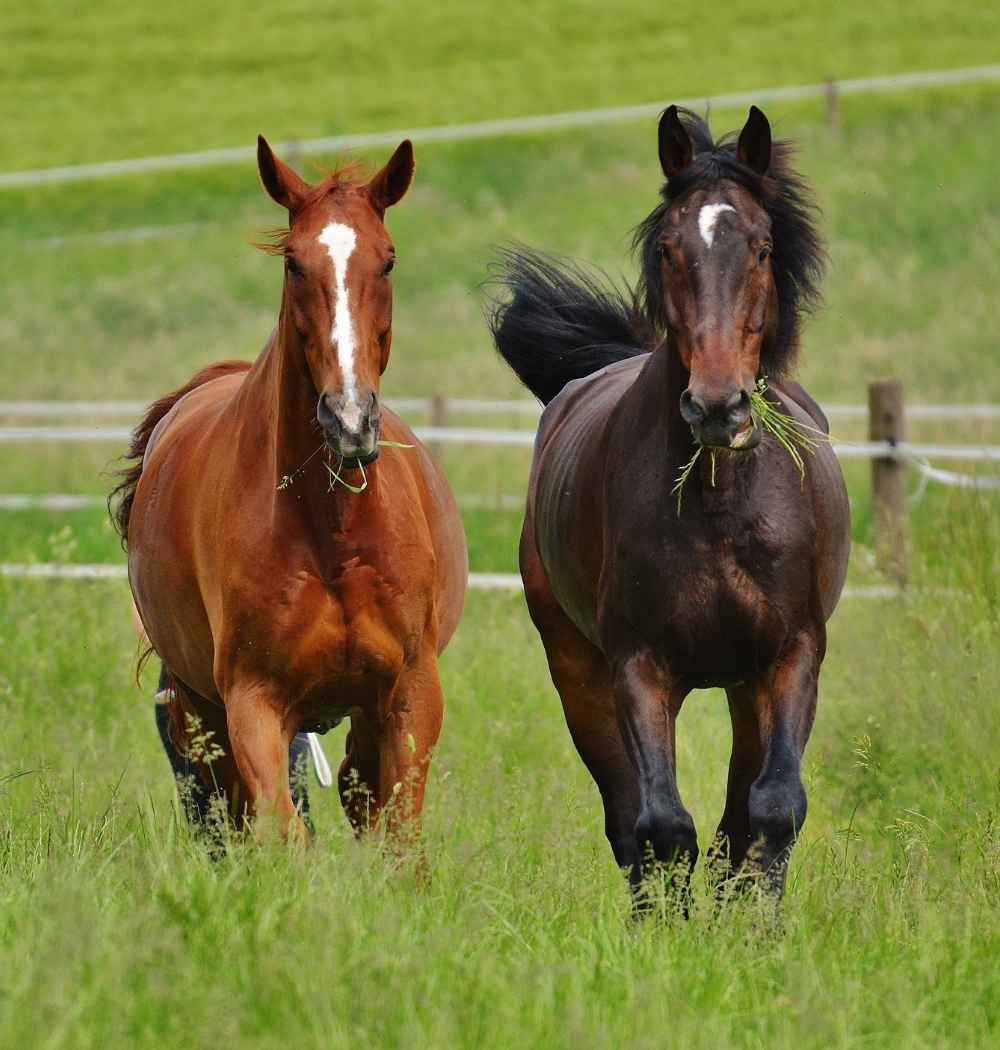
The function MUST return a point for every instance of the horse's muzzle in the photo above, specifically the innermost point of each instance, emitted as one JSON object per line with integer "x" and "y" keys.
{"x": 726, "y": 423}
{"x": 351, "y": 430}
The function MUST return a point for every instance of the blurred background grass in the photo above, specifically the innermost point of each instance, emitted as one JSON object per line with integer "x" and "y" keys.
{"x": 114, "y": 928}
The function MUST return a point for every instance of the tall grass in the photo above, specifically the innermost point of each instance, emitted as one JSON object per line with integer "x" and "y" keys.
{"x": 117, "y": 929}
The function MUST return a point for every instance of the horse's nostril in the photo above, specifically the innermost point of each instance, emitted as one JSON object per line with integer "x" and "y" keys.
{"x": 692, "y": 408}
{"x": 738, "y": 406}
{"x": 326, "y": 415}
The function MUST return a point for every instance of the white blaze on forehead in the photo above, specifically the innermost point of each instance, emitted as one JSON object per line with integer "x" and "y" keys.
{"x": 707, "y": 218}
{"x": 340, "y": 241}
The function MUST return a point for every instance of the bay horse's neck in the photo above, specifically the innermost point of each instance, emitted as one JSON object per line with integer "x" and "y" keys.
{"x": 656, "y": 397}
{"x": 654, "y": 407}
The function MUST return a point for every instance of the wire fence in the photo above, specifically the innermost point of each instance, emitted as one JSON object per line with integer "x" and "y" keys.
{"x": 495, "y": 128}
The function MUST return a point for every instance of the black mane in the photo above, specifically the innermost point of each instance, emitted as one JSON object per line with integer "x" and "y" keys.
{"x": 562, "y": 322}
{"x": 798, "y": 258}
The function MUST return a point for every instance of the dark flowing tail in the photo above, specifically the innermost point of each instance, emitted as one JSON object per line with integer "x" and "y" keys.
{"x": 561, "y": 322}
{"x": 121, "y": 496}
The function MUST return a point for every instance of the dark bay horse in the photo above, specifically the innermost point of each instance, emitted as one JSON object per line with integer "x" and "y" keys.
{"x": 278, "y": 597}
{"x": 639, "y": 601}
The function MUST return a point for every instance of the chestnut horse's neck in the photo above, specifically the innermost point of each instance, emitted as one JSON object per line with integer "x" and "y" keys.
{"x": 278, "y": 422}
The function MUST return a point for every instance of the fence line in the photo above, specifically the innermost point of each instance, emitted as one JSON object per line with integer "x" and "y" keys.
{"x": 495, "y": 128}
{"x": 464, "y": 406}
{"x": 526, "y": 438}
{"x": 60, "y": 501}
{"x": 478, "y": 581}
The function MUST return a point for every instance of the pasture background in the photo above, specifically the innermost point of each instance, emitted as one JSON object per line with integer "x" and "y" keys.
{"x": 114, "y": 928}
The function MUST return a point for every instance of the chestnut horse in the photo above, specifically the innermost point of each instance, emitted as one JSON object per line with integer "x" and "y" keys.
{"x": 279, "y": 597}
{"x": 639, "y": 601}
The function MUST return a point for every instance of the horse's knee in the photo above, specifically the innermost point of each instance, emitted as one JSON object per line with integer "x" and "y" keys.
{"x": 777, "y": 813}
{"x": 669, "y": 833}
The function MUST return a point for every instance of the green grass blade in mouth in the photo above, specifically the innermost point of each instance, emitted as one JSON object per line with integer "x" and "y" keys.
{"x": 685, "y": 473}
{"x": 335, "y": 478}
{"x": 794, "y": 437}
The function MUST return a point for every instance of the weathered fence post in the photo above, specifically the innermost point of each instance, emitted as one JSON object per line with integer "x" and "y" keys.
{"x": 886, "y": 423}
{"x": 439, "y": 418}
{"x": 832, "y": 105}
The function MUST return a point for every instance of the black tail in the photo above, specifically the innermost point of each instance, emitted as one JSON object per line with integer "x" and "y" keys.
{"x": 561, "y": 322}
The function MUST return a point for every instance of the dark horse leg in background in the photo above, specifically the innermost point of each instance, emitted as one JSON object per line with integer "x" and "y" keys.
{"x": 765, "y": 800}
{"x": 195, "y": 795}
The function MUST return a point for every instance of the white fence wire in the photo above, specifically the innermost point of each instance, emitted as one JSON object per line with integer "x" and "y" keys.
{"x": 496, "y": 128}
{"x": 478, "y": 581}
{"x": 462, "y": 406}
{"x": 915, "y": 451}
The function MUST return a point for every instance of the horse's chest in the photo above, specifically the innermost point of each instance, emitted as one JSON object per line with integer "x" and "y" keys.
{"x": 708, "y": 602}
{"x": 352, "y": 633}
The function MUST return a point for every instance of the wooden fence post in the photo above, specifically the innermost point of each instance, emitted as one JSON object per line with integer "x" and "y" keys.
{"x": 832, "y": 106}
{"x": 886, "y": 423}
{"x": 439, "y": 418}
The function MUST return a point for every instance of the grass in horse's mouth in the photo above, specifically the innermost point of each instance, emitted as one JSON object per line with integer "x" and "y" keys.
{"x": 288, "y": 479}
{"x": 356, "y": 489}
{"x": 793, "y": 436}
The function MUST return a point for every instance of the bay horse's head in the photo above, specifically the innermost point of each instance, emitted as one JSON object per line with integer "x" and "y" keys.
{"x": 730, "y": 258}
{"x": 338, "y": 293}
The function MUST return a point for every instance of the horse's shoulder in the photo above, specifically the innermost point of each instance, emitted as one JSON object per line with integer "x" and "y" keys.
{"x": 590, "y": 396}
{"x": 190, "y": 408}
{"x": 795, "y": 395}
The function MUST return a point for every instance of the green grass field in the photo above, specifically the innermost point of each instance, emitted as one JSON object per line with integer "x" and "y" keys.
{"x": 115, "y": 928}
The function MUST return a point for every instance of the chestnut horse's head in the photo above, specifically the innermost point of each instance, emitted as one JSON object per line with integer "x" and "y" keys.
{"x": 729, "y": 259}
{"x": 338, "y": 292}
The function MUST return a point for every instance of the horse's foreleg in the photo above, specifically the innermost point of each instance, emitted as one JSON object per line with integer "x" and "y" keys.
{"x": 782, "y": 705}
{"x": 581, "y": 675}
{"x": 648, "y": 702}
{"x": 407, "y": 736}
{"x": 260, "y": 740}
{"x": 389, "y": 752}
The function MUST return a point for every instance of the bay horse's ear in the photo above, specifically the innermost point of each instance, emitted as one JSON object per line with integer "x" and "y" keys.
{"x": 389, "y": 185}
{"x": 676, "y": 150}
{"x": 283, "y": 185}
{"x": 754, "y": 146}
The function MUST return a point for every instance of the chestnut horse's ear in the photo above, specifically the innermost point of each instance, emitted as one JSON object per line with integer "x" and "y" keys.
{"x": 676, "y": 150}
{"x": 283, "y": 185}
{"x": 389, "y": 185}
{"x": 754, "y": 147}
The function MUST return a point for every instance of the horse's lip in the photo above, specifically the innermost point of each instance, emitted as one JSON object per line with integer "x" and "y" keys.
{"x": 353, "y": 462}
{"x": 740, "y": 440}
{"x": 743, "y": 441}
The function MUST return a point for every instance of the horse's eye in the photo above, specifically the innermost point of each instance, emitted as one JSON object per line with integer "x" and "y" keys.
{"x": 292, "y": 267}
{"x": 390, "y": 263}
{"x": 667, "y": 255}
{"x": 764, "y": 252}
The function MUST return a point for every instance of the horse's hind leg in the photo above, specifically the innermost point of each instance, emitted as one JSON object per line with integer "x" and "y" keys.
{"x": 733, "y": 839}
{"x": 766, "y": 801}
{"x": 196, "y": 738}
{"x": 581, "y": 677}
